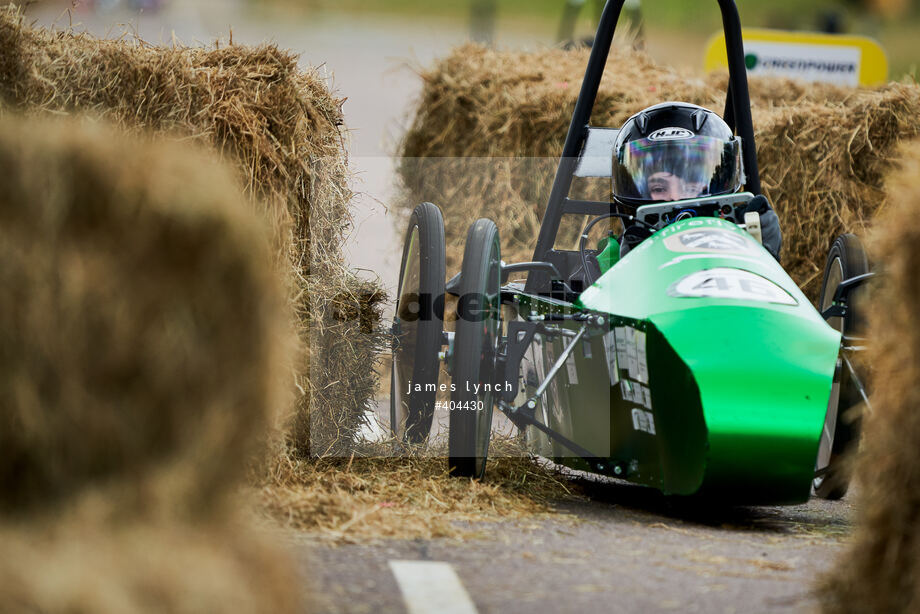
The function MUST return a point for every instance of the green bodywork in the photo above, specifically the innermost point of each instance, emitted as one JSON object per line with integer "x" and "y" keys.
{"x": 609, "y": 254}
{"x": 720, "y": 396}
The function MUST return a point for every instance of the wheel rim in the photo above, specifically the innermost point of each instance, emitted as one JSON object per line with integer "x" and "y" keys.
{"x": 826, "y": 443}
{"x": 835, "y": 275}
{"x": 406, "y": 337}
{"x": 834, "y": 278}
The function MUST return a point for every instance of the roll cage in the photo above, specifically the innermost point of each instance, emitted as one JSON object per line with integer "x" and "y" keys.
{"x": 583, "y": 139}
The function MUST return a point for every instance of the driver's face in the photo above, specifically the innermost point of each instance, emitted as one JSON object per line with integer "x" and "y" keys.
{"x": 665, "y": 186}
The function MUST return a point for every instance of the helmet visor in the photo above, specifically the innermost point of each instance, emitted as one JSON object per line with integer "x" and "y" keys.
{"x": 663, "y": 170}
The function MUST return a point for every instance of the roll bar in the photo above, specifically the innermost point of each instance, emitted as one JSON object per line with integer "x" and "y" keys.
{"x": 737, "y": 115}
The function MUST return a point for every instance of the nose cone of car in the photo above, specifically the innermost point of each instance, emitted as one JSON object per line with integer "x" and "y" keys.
{"x": 739, "y": 361}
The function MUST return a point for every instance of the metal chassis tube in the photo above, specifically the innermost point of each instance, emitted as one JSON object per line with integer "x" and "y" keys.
{"x": 523, "y": 414}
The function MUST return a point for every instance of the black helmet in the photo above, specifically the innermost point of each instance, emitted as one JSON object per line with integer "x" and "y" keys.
{"x": 673, "y": 151}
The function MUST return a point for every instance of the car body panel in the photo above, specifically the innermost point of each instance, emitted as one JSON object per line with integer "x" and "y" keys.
{"x": 713, "y": 379}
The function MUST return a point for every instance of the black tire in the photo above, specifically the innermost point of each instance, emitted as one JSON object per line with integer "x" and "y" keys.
{"x": 418, "y": 326}
{"x": 846, "y": 259}
{"x": 475, "y": 348}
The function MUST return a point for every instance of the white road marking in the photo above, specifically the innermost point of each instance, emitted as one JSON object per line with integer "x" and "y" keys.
{"x": 431, "y": 587}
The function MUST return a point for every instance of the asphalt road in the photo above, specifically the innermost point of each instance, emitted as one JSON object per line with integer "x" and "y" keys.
{"x": 625, "y": 550}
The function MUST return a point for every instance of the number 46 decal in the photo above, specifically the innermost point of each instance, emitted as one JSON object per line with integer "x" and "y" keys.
{"x": 730, "y": 284}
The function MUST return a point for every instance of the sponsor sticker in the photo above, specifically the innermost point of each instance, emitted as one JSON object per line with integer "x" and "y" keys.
{"x": 670, "y": 134}
{"x": 610, "y": 348}
{"x": 632, "y": 355}
{"x": 641, "y": 357}
{"x": 815, "y": 63}
{"x": 647, "y": 397}
{"x": 634, "y": 392}
{"x": 631, "y": 352}
{"x": 643, "y": 421}
{"x": 628, "y": 390}
{"x": 807, "y": 56}
{"x": 622, "y": 341}
{"x": 709, "y": 240}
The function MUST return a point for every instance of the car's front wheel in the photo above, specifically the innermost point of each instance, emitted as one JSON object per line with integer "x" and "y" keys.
{"x": 840, "y": 434}
{"x": 475, "y": 350}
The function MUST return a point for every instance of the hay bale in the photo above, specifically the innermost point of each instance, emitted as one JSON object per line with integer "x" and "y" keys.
{"x": 142, "y": 333}
{"x": 481, "y": 102}
{"x": 81, "y": 567}
{"x": 880, "y": 571}
{"x": 490, "y": 125}
{"x": 280, "y": 127}
{"x": 346, "y": 347}
{"x": 141, "y": 322}
{"x": 823, "y": 166}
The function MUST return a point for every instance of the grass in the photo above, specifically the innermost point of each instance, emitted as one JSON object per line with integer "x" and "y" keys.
{"x": 662, "y": 13}
{"x": 666, "y": 21}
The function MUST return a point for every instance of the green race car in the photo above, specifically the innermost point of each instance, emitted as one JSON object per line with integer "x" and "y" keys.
{"x": 677, "y": 355}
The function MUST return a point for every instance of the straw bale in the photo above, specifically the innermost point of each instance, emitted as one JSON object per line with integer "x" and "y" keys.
{"x": 880, "y": 572}
{"x": 347, "y": 347}
{"x": 282, "y": 129}
{"x": 141, "y": 322}
{"x": 490, "y": 125}
{"x": 481, "y": 102}
{"x": 77, "y": 566}
{"x": 278, "y": 124}
{"x": 823, "y": 166}
{"x": 143, "y": 344}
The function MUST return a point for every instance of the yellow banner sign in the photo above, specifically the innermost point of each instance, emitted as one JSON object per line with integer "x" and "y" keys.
{"x": 809, "y": 56}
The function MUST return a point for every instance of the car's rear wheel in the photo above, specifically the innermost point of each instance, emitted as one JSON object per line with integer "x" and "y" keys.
{"x": 846, "y": 259}
{"x": 475, "y": 349}
{"x": 418, "y": 326}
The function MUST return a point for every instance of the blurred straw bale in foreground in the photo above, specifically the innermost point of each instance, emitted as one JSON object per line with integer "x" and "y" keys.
{"x": 282, "y": 130}
{"x": 880, "y": 572}
{"x": 142, "y": 321}
{"x": 80, "y": 566}
{"x": 142, "y": 334}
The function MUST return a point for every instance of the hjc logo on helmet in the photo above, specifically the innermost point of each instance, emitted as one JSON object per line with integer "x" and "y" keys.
{"x": 670, "y": 134}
